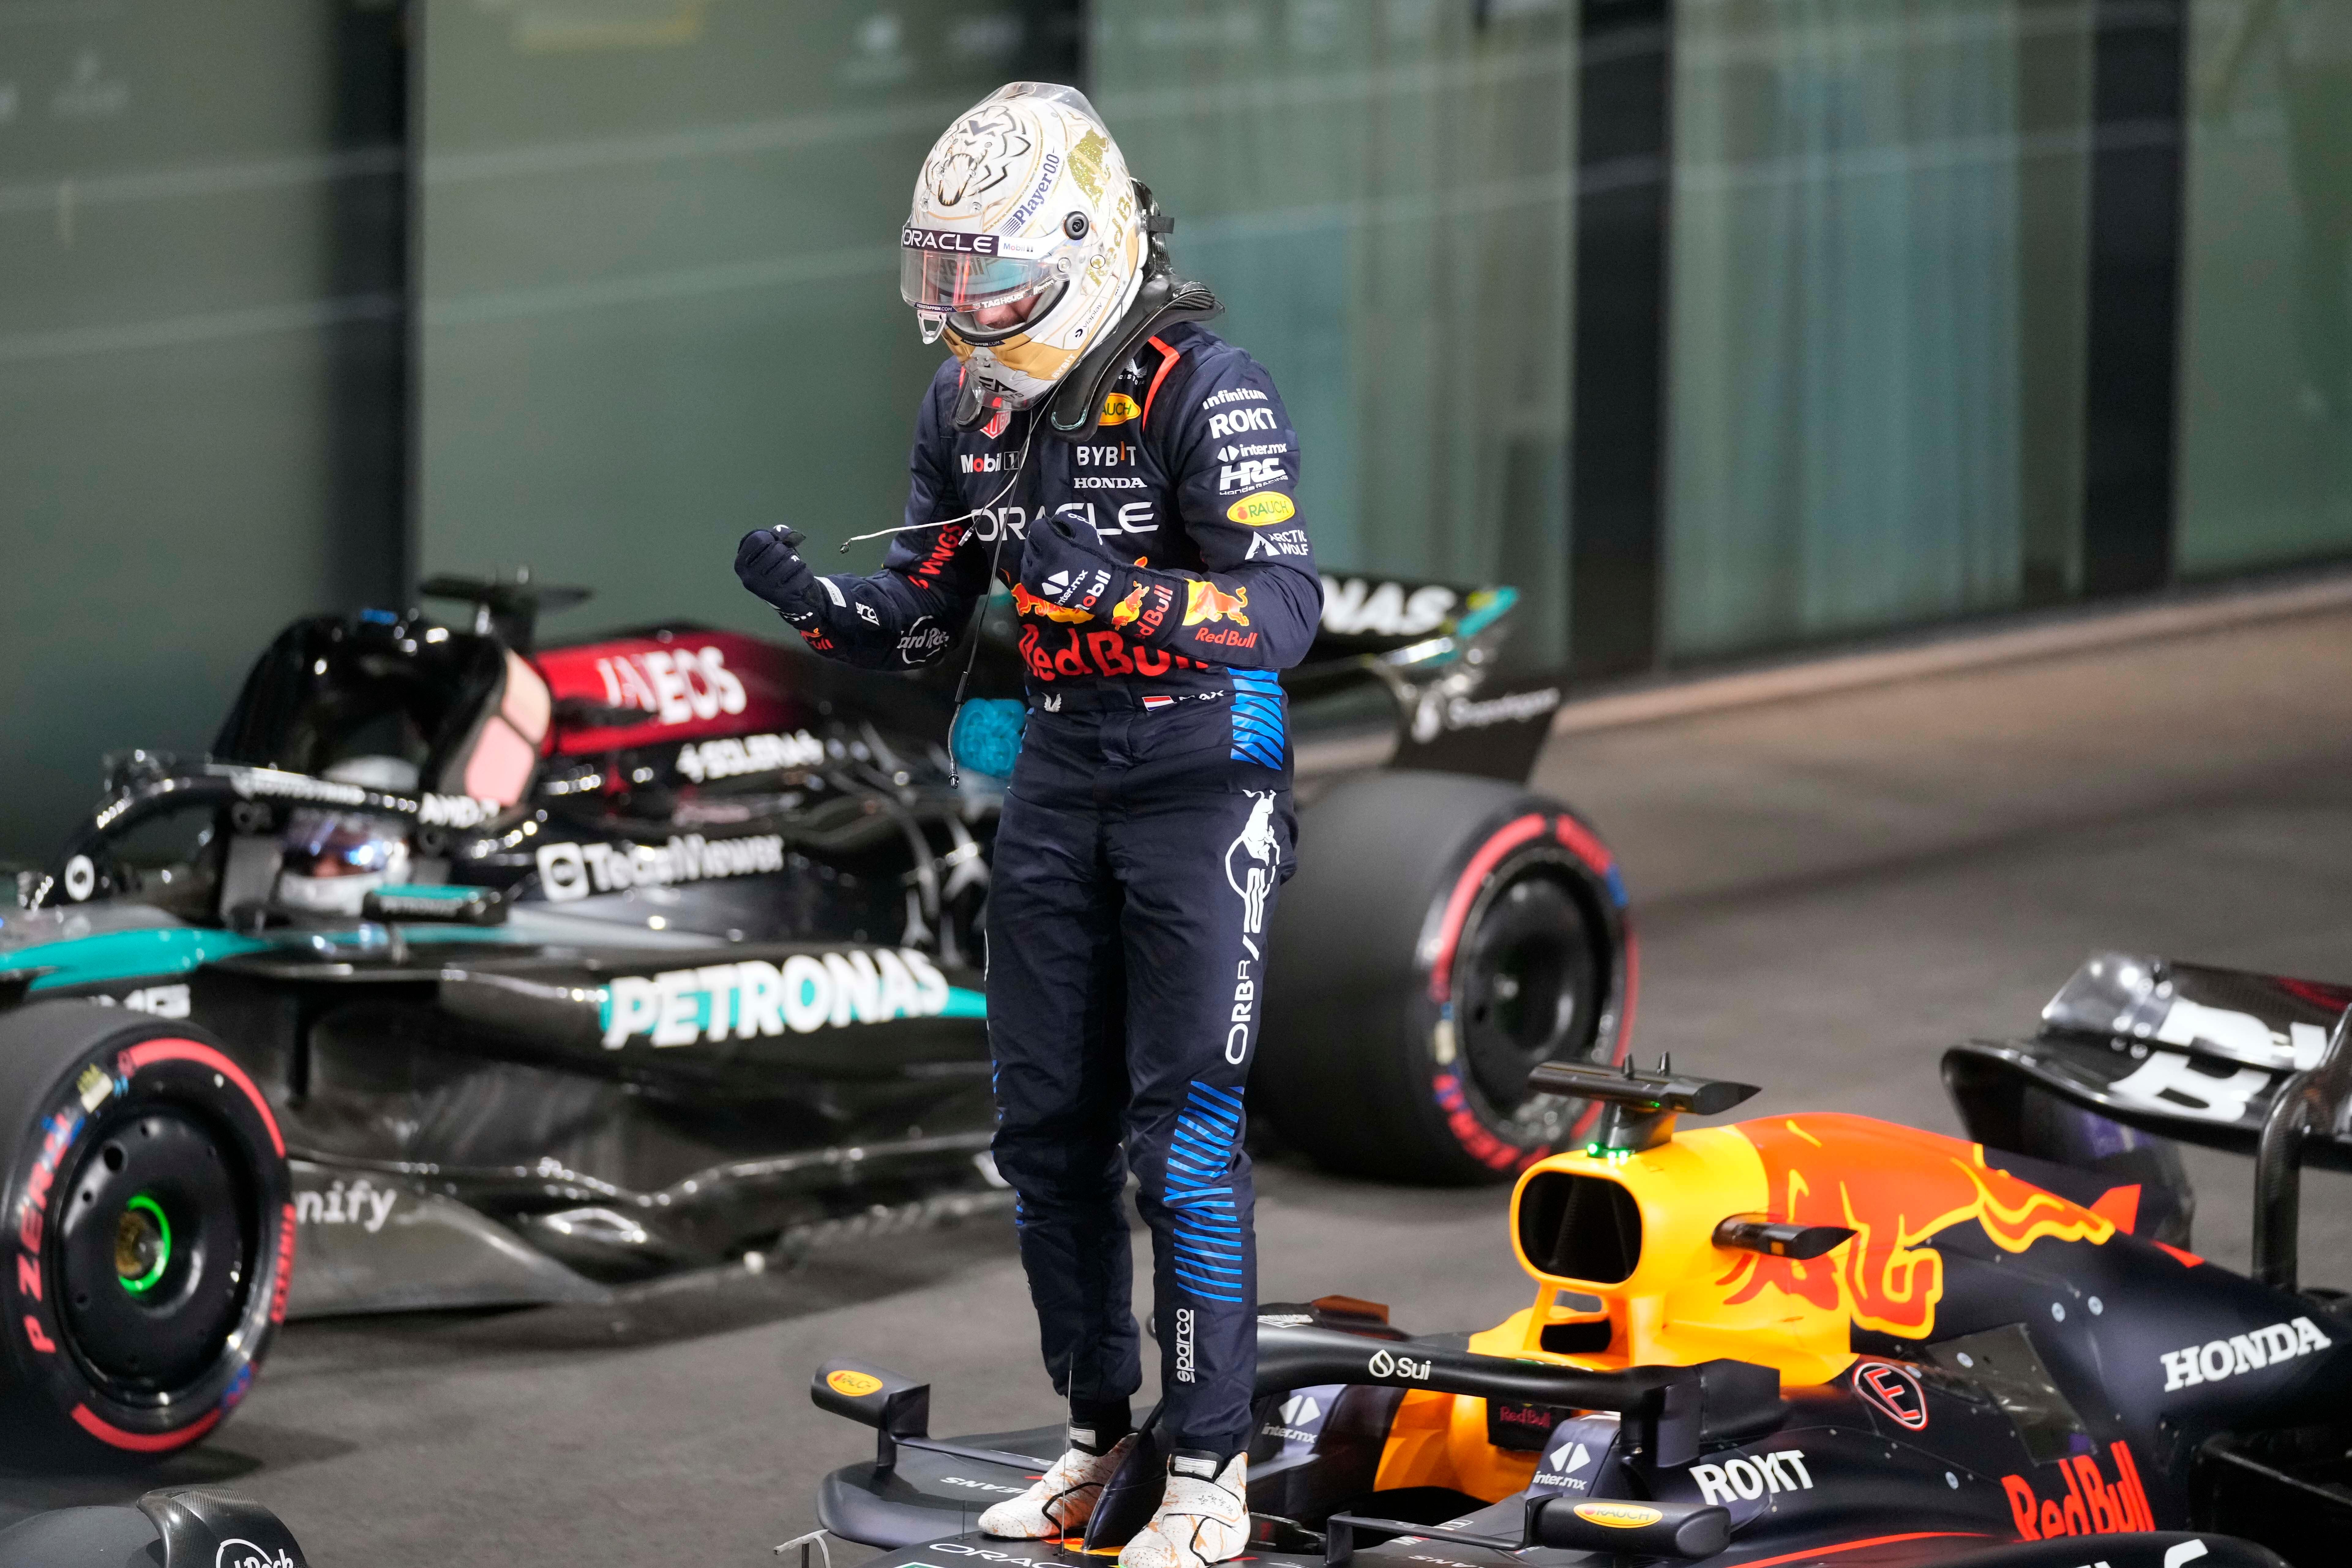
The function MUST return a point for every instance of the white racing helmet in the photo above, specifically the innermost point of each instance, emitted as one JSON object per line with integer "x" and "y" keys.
{"x": 1024, "y": 216}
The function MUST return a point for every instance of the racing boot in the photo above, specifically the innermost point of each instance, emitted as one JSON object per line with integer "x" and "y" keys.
{"x": 1202, "y": 1518}
{"x": 1060, "y": 1501}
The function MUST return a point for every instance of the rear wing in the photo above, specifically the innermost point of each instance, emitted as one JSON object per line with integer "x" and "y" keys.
{"x": 2253, "y": 1064}
{"x": 2182, "y": 1050}
{"x": 1433, "y": 648}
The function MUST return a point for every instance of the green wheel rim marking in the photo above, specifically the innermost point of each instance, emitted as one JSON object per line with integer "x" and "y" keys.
{"x": 144, "y": 1204}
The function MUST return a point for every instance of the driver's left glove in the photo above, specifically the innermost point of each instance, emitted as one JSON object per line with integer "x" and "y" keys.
{"x": 1065, "y": 561}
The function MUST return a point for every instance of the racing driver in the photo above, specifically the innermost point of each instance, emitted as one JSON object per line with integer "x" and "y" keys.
{"x": 1129, "y": 475}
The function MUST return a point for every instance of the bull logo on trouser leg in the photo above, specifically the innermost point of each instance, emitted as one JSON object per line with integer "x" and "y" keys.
{"x": 1257, "y": 857}
{"x": 1257, "y": 841}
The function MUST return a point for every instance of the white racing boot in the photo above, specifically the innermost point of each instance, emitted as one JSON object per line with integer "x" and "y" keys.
{"x": 1060, "y": 1501}
{"x": 1203, "y": 1517}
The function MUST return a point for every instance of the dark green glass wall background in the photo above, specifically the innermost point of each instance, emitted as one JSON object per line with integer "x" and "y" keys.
{"x": 301, "y": 299}
{"x": 1381, "y": 192}
{"x": 2265, "y": 405}
{"x": 199, "y": 363}
{"x": 658, "y": 279}
{"x": 1876, "y": 339}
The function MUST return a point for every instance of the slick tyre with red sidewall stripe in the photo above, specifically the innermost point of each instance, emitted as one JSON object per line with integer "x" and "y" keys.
{"x": 146, "y": 1233}
{"x": 1442, "y": 936}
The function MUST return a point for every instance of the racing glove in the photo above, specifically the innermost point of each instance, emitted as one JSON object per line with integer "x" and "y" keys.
{"x": 769, "y": 563}
{"x": 1064, "y": 561}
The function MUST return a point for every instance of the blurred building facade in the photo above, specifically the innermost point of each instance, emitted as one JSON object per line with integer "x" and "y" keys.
{"x": 1713, "y": 326}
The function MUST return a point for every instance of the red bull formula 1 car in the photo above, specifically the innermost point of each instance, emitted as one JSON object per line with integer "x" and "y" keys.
{"x": 1813, "y": 1340}
{"x": 467, "y": 970}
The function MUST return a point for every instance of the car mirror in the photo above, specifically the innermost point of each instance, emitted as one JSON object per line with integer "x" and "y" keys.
{"x": 1641, "y": 1528}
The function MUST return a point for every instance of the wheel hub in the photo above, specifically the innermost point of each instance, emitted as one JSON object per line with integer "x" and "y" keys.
{"x": 142, "y": 1245}
{"x": 155, "y": 1250}
{"x": 1525, "y": 989}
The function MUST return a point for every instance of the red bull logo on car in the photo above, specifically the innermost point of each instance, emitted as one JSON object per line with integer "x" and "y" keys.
{"x": 1895, "y": 1189}
{"x": 2092, "y": 1505}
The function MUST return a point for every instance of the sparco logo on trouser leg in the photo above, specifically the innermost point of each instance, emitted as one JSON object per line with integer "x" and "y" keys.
{"x": 1183, "y": 1344}
{"x": 1252, "y": 878}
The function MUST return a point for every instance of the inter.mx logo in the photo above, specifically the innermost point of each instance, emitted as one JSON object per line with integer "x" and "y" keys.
{"x": 1564, "y": 1464}
{"x": 1299, "y": 1414}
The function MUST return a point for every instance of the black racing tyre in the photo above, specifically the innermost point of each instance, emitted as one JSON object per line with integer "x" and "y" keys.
{"x": 146, "y": 1233}
{"x": 1442, "y": 936}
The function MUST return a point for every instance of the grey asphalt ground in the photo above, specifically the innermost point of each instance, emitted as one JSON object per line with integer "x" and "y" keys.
{"x": 1831, "y": 891}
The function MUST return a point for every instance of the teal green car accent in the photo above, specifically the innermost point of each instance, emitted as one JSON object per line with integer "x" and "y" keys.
{"x": 964, "y": 1002}
{"x": 447, "y": 892}
{"x": 1485, "y": 609}
{"x": 126, "y": 956}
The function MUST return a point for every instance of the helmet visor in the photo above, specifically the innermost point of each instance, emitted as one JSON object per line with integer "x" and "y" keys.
{"x": 947, "y": 285}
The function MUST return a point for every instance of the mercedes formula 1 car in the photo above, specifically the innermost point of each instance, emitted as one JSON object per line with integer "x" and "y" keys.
{"x": 1811, "y": 1340}
{"x": 471, "y": 972}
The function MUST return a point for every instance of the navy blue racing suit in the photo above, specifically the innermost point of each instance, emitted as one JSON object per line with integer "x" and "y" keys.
{"x": 1147, "y": 827}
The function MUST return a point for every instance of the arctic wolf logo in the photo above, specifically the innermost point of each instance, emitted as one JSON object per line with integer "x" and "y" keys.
{"x": 1257, "y": 841}
{"x": 978, "y": 159}
{"x": 1205, "y": 601}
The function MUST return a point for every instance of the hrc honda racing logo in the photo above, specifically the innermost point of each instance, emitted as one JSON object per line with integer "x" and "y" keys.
{"x": 568, "y": 871}
{"x": 1253, "y": 861}
{"x": 806, "y": 993}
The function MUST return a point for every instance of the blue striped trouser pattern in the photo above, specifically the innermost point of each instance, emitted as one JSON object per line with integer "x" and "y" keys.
{"x": 1207, "y": 1233}
{"x": 1258, "y": 728}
